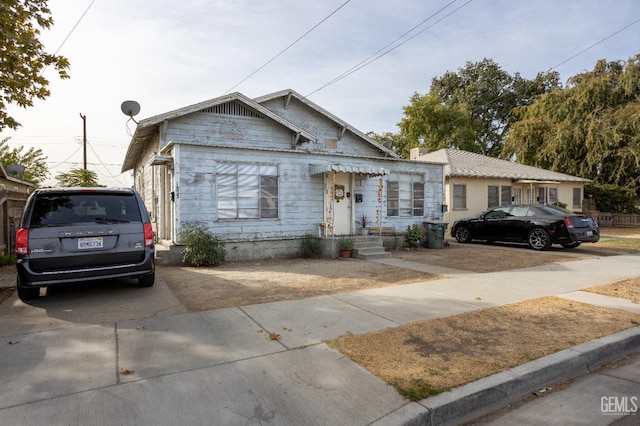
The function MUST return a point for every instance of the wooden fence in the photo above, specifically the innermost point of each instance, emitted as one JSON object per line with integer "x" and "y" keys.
{"x": 616, "y": 220}
{"x": 11, "y": 205}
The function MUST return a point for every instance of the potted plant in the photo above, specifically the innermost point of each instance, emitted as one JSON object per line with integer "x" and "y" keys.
{"x": 345, "y": 244}
{"x": 364, "y": 222}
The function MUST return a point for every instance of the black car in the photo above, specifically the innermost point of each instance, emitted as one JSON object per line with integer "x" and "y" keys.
{"x": 74, "y": 235}
{"x": 537, "y": 225}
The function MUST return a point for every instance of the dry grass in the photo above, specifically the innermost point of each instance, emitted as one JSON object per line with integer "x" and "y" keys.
{"x": 628, "y": 289}
{"x": 428, "y": 357}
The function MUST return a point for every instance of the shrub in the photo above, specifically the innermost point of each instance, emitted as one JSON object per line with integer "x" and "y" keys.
{"x": 310, "y": 246}
{"x": 345, "y": 243}
{"x": 413, "y": 235}
{"x": 201, "y": 247}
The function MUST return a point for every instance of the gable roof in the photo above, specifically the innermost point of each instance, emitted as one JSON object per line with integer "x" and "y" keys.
{"x": 148, "y": 127}
{"x": 468, "y": 164}
{"x": 288, "y": 94}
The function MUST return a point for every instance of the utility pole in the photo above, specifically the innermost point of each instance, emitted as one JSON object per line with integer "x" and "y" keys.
{"x": 84, "y": 139}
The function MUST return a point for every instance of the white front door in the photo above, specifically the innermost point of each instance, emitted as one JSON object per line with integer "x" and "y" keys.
{"x": 342, "y": 203}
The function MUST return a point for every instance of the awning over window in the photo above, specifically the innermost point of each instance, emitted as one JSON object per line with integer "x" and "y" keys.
{"x": 159, "y": 160}
{"x": 316, "y": 169}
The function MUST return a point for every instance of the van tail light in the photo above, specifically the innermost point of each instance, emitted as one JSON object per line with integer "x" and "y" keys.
{"x": 22, "y": 241}
{"x": 148, "y": 234}
{"x": 567, "y": 222}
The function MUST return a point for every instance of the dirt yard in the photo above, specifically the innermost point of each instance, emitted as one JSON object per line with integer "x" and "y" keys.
{"x": 245, "y": 283}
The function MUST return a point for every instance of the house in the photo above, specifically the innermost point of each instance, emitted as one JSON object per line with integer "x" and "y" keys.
{"x": 262, "y": 173}
{"x": 14, "y": 192}
{"x": 475, "y": 183}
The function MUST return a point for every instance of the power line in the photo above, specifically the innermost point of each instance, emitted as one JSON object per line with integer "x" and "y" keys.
{"x": 289, "y": 46}
{"x": 369, "y": 60}
{"x": 595, "y": 44}
{"x": 74, "y": 27}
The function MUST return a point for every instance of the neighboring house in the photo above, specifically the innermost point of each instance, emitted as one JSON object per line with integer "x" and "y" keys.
{"x": 476, "y": 183}
{"x": 261, "y": 173}
{"x": 13, "y": 195}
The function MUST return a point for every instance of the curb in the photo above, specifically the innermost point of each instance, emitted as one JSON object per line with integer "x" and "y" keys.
{"x": 485, "y": 395}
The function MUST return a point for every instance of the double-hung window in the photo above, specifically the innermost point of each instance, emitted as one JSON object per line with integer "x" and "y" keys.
{"x": 247, "y": 191}
{"x": 459, "y": 197}
{"x": 405, "y": 195}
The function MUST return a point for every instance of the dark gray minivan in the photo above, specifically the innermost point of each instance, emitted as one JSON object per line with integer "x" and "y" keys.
{"x": 73, "y": 235}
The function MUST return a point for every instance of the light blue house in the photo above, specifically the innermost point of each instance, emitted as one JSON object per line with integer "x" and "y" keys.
{"x": 261, "y": 173}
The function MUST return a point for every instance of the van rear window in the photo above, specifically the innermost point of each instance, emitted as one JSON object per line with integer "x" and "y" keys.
{"x": 64, "y": 209}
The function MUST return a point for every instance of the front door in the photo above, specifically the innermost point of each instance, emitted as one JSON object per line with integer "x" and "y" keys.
{"x": 341, "y": 187}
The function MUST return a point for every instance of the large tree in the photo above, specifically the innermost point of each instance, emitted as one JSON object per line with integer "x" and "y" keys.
{"x": 22, "y": 56}
{"x": 591, "y": 128}
{"x": 34, "y": 161}
{"x": 470, "y": 109}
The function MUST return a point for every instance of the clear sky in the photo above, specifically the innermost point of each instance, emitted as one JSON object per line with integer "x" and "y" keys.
{"x": 358, "y": 59}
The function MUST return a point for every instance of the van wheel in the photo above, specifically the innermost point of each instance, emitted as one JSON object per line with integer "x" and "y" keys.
{"x": 27, "y": 293}
{"x": 147, "y": 280}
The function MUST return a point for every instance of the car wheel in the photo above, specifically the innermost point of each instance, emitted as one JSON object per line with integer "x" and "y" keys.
{"x": 147, "y": 280}
{"x": 27, "y": 293}
{"x": 463, "y": 234}
{"x": 571, "y": 245}
{"x": 538, "y": 239}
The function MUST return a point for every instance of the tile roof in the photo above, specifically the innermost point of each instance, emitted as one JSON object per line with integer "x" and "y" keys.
{"x": 468, "y": 164}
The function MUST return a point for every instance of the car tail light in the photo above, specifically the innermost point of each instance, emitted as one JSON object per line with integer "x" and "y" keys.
{"x": 148, "y": 235}
{"x": 22, "y": 241}
{"x": 567, "y": 222}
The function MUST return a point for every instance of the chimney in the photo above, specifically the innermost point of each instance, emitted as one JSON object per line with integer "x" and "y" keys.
{"x": 414, "y": 153}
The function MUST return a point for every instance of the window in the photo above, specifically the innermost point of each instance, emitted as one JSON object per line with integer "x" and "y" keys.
{"x": 577, "y": 198}
{"x": 405, "y": 195}
{"x": 547, "y": 195}
{"x": 493, "y": 196}
{"x": 247, "y": 191}
{"x": 459, "y": 197}
{"x": 505, "y": 195}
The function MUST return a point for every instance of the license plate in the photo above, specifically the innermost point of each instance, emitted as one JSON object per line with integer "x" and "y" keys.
{"x": 589, "y": 233}
{"x": 90, "y": 243}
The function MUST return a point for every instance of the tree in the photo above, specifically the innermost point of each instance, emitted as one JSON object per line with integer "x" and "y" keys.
{"x": 429, "y": 123}
{"x": 22, "y": 56}
{"x": 470, "y": 109}
{"x": 78, "y": 177}
{"x": 34, "y": 161}
{"x": 590, "y": 129}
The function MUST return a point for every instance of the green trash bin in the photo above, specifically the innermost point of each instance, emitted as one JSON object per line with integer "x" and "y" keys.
{"x": 435, "y": 234}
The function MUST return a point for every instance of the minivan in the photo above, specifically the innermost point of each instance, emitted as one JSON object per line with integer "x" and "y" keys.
{"x": 75, "y": 235}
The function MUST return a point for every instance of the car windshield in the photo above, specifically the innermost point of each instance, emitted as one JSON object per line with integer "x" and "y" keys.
{"x": 63, "y": 209}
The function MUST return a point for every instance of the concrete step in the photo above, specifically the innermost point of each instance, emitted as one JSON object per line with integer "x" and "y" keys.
{"x": 369, "y": 247}
{"x": 162, "y": 255}
{"x": 371, "y": 256}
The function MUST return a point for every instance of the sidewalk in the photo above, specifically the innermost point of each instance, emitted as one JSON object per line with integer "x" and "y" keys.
{"x": 220, "y": 367}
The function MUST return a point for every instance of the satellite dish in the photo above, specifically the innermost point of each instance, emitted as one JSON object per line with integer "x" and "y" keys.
{"x": 15, "y": 169}
{"x": 388, "y": 144}
{"x": 130, "y": 108}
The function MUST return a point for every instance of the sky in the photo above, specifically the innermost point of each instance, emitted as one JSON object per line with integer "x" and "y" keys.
{"x": 361, "y": 60}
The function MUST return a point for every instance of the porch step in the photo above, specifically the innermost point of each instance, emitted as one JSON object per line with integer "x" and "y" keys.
{"x": 369, "y": 247}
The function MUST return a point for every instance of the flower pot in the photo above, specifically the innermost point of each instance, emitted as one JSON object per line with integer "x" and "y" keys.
{"x": 345, "y": 253}
{"x": 364, "y": 231}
